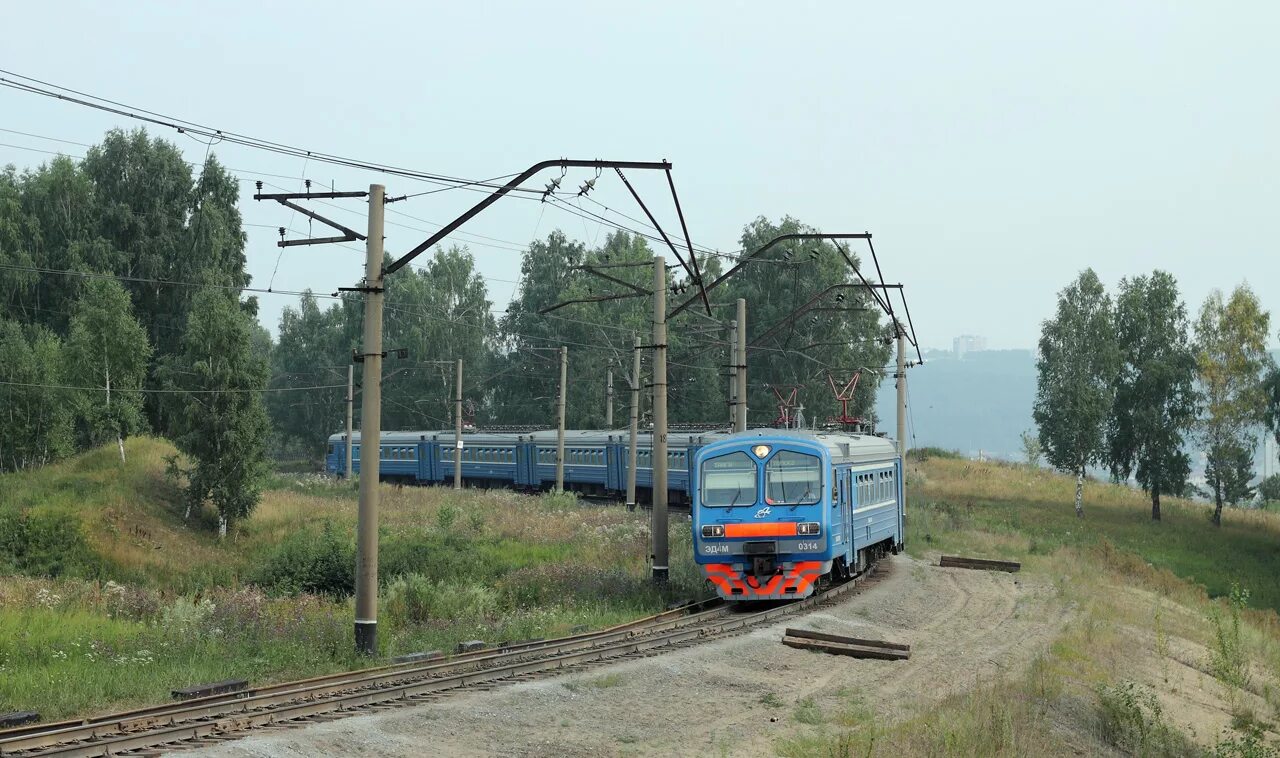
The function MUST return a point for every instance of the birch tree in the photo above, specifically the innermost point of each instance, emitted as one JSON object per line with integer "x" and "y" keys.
{"x": 217, "y": 382}
{"x": 108, "y": 355}
{"x": 1074, "y": 387}
{"x": 1155, "y": 397}
{"x": 35, "y": 423}
{"x": 1232, "y": 362}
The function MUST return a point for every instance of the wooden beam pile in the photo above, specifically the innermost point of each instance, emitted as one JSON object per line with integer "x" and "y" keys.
{"x": 980, "y": 564}
{"x": 854, "y": 647}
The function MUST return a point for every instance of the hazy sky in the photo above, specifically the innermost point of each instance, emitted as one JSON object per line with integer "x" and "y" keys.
{"x": 994, "y": 149}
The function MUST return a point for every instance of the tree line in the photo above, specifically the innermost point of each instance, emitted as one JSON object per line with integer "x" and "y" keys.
{"x": 1127, "y": 383}
{"x": 122, "y": 312}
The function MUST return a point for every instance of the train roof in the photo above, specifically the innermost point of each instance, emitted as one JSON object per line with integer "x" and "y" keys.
{"x": 541, "y": 436}
{"x": 843, "y": 447}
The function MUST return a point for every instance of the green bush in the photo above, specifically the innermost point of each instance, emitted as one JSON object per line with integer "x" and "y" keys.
{"x": 45, "y": 543}
{"x": 1133, "y": 721}
{"x": 563, "y": 582}
{"x": 415, "y": 599}
{"x": 431, "y": 554}
{"x": 322, "y": 564}
{"x": 1227, "y": 658}
{"x": 925, "y": 453}
{"x": 1269, "y": 491}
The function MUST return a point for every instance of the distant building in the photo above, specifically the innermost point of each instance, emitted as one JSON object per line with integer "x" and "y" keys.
{"x": 968, "y": 343}
{"x": 1270, "y": 456}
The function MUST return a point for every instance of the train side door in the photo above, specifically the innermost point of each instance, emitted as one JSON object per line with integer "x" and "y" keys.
{"x": 839, "y": 496}
{"x": 612, "y": 453}
{"x": 847, "y": 507}
{"x": 524, "y": 475}
{"x": 424, "y": 461}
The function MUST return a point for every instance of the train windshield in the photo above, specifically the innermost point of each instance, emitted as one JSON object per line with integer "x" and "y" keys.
{"x": 792, "y": 479}
{"x": 729, "y": 480}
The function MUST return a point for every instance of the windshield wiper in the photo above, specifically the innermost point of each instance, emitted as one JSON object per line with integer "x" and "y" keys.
{"x": 804, "y": 499}
{"x": 734, "y": 501}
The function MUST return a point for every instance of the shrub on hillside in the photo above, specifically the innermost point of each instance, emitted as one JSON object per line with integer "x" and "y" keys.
{"x": 559, "y": 583}
{"x": 321, "y": 564}
{"x": 45, "y": 543}
{"x": 415, "y": 599}
{"x": 1133, "y": 721}
{"x": 925, "y": 453}
{"x": 442, "y": 556}
{"x": 129, "y": 601}
{"x": 1269, "y": 491}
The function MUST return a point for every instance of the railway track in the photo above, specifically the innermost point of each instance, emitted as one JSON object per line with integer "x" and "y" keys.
{"x": 208, "y": 720}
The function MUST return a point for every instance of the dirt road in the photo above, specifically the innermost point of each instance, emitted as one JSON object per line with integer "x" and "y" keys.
{"x": 731, "y": 697}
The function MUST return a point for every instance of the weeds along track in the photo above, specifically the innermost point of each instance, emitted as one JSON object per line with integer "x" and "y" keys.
{"x": 208, "y": 720}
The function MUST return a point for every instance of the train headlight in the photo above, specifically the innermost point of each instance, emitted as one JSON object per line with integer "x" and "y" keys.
{"x": 713, "y": 530}
{"x": 809, "y": 528}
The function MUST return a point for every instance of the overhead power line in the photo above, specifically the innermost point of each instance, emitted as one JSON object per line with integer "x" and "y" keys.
{"x": 163, "y": 282}
{"x": 22, "y": 83}
{"x": 173, "y": 391}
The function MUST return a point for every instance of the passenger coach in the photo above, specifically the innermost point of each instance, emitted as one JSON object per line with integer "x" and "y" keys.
{"x": 595, "y": 461}
{"x": 776, "y": 511}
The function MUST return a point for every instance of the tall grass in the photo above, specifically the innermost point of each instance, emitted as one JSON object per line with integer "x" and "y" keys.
{"x": 152, "y": 601}
{"x": 1026, "y": 512}
{"x": 1138, "y": 590}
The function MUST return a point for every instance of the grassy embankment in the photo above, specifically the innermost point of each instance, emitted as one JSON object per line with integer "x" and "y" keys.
{"x": 142, "y": 601}
{"x": 1158, "y": 659}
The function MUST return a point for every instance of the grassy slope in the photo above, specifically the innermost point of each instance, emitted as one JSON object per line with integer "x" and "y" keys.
{"x": 67, "y": 647}
{"x": 177, "y": 609}
{"x": 1133, "y": 672}
{"x": 130, "y": 513}
{"x": 1033, "y": 508}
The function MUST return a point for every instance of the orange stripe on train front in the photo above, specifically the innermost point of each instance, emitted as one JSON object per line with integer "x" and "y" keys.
{"x": 769, "y": 529}
{"x": 720, "y": 582}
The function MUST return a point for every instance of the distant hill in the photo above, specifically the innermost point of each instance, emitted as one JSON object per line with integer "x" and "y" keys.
{"x": 976, "y": 404}
{"x": 981, "y": 403}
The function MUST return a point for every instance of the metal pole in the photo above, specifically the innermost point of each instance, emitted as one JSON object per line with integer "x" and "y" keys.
{"x": 608, "y": 393}
{"x": 740, "y": 425}
{"x": 564, "y": 370}
{"x": 457, "y": 430}
{"x": 659, "y": 419}
{"x": 635, "y": 424}
{"x": 370, "y": 434}
{"x": 733, "y": 376}
{"x": 351, "y": 399}
{"x": 901, "y": 376}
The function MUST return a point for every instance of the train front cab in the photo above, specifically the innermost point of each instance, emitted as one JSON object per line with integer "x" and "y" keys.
{"x": 760, "y": 517}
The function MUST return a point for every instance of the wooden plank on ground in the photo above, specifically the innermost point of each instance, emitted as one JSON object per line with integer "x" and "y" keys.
{"x": 982, "y": 564}
{"x": 811, "y": 635}
{"x": 215, "y": 688}
{"x": 18, "y": 718}
{"x": 853, "y": 651}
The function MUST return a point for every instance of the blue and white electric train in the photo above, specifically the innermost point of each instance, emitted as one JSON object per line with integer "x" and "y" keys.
{"x": 777, "y": 511}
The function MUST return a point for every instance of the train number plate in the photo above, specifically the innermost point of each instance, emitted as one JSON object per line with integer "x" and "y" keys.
{"x": 715, "y": 549}
{"x": 809, "y": 546}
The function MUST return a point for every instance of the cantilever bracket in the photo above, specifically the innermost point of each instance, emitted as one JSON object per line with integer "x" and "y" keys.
{"x": 284, "y": 198}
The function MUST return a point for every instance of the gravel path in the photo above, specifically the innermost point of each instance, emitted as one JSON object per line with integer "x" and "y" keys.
{"x": 730, "y": 697}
